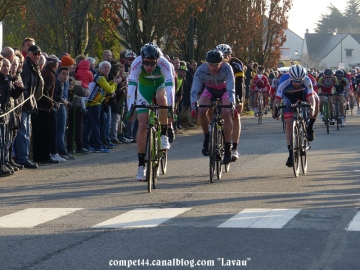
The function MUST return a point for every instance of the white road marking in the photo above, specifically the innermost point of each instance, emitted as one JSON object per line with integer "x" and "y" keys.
{"x": 261, "y": 218}
{"x": 354, "y": 224}
{"x": 32, "y": 217}
{"x": 141, "y": 218}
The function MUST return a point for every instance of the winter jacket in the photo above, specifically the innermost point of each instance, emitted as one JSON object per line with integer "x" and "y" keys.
{"x": 84, "y": 74}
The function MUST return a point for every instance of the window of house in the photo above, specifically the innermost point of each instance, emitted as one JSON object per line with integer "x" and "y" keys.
{"x": 348, "y": 52}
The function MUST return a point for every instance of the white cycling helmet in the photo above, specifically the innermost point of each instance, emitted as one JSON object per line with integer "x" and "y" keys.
{"x": 297, "y": 73}
{"x": 224, "y": 48}
{"x": 130, "y": 54}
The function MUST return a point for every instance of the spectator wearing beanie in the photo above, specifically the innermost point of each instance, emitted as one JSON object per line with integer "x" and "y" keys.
{"x": 84, "y": 75}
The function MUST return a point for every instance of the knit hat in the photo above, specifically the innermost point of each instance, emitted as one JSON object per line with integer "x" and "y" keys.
{"x": 66, "y": 61}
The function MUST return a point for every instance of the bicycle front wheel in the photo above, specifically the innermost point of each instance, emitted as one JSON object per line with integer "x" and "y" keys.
{"x": 212, "y": 152}
{"x": 303, "y": 148}
{"x": 156, "y": 159}
{"x": 295, "y": 148}
{"x": 148, "y": 155}
{"x": 220, "y": 152}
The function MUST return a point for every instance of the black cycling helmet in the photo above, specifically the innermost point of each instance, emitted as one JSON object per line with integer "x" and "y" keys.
{"x": 150, "y": 51}
{"x": 214, "y": 56}
{"x": 328, "y": 72}
{"x": 339, "y": 74}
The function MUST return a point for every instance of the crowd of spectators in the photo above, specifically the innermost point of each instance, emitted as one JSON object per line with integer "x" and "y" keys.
{"x": 62, "y": 107}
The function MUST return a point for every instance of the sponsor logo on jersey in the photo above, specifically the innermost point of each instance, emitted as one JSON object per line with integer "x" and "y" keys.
{"x": 163, "y": 65}
{"x": 136, "y": 66}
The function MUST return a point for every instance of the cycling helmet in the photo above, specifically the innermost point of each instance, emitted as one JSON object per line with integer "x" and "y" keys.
{"x": 297, "y": 72}
{"x": 339, "y": 74}
{"x": 214, "y": 56}
{"x": 224, "y": 48}
{"x": 353, "y": 72}
{"x": 260, "y": 84}
{"x": 328, "y": 72}
{"x": 151, "y": 51}
{"x": 130, "y": 54}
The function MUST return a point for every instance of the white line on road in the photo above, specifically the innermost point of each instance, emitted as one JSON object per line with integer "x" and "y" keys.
{"x": 261, "y": 218}
{"x": 32, "y": 217}
{"x": 355, "y": 223}
{"x": 141, "y": 218}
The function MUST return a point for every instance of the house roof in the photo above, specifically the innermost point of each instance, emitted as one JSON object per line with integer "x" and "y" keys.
{"x": 320, "y": 45}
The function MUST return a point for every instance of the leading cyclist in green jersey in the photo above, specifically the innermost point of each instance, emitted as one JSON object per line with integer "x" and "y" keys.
{"x": 151, "y": 75}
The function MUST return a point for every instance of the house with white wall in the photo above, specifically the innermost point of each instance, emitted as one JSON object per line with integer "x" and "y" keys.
{"x": 331, "y": 51}
{"x": 323, "y": 50}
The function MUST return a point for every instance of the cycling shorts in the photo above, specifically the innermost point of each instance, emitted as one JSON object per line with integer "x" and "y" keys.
{"x": 213, "y": 94}
{"x": 145, "y": 95}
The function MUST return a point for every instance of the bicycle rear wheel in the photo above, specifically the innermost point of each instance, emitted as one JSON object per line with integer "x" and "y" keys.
{"x": 326, "y": 116}
{"x": 212, "y": 152}
{"x": 148, "y": 156}
{"x": 303, "y": 150}
{"x": 260, "y": 108}
{"x": 163, "y": 161}
{"x": 295, "y": 149}
{"x": 219, "y": 153}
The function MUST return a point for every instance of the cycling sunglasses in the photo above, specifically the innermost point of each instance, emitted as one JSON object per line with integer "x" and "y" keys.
{"x": 149, "y": 63}
{"x": 297, "y": 82}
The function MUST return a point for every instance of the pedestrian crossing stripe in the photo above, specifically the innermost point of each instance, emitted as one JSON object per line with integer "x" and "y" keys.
{"x": 32, "y": 217}
{"x": 151, "y": 217}
{"x": 354, "y": 225}
{"x": 142, "y": 218}
{"x": 261, "y": 218}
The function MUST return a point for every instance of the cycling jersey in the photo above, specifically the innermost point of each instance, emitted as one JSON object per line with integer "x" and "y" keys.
{"x": 148, "y": 84}
{"x": 223, "y": 80}
{"x": 326, "y": 84}
{"x": 284, "y": 92}
{"x": 265, "y": 82}
{"x": 238, "y": 69}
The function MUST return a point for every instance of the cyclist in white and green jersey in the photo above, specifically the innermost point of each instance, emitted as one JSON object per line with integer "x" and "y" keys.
{"x": 151, "y": 75}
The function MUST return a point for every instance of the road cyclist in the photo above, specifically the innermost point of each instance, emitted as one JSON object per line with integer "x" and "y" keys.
{"x": 327, "y": 85}
{"x": 219, "y": 81}
{"x": 295, "y": 86}
{"x": 150, "y": 75}
{"x": 238, "y": 69}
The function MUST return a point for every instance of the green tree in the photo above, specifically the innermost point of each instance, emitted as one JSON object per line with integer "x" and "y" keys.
{"x": 10, "y": 7}
{"x": 335, "y": 20}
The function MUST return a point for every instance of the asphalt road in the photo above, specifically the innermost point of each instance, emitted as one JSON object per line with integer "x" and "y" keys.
{"x": 91, "y": 213}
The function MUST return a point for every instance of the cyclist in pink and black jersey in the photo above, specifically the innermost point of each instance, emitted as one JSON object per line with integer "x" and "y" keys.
{"x": 218, "y": 77}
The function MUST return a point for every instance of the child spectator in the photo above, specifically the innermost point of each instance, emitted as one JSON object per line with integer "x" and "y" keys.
{"x": 84, "y": 75}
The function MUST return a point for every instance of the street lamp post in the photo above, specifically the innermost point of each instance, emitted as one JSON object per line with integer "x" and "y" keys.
{"x": 334, "y": 33}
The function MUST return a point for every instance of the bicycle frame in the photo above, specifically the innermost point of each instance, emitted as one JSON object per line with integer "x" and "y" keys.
{"x": 299, "y": 143}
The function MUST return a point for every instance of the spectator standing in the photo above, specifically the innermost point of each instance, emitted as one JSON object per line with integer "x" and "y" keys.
{"x": 33, "y": 84}
{"x": 98, "y": 89}
{"x": 66, "y": 61}
{"x": 44, "y": 133}
{"x": 8, "y": 90}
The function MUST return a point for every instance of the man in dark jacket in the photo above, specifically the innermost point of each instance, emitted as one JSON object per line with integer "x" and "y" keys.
{"x": 33, "y": 84}
{"x": 44, "y": 140}
{"x": 8, "y": 90}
